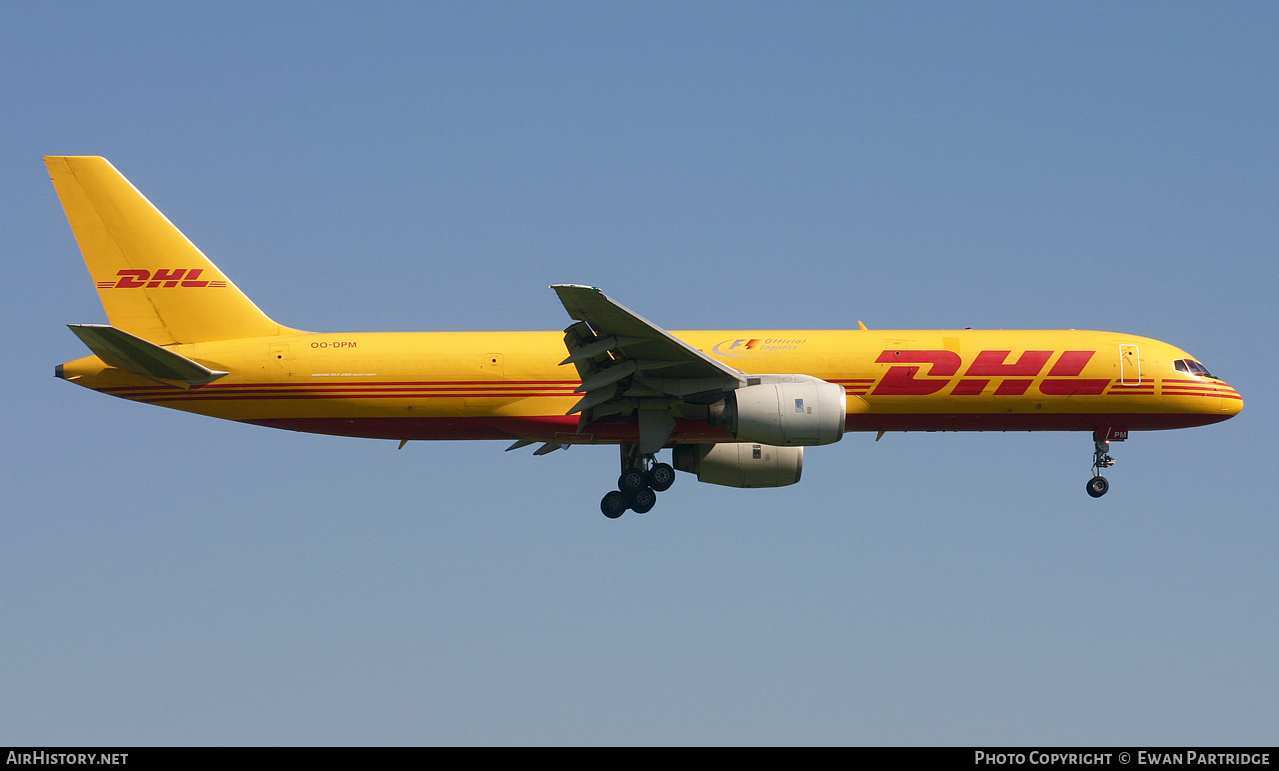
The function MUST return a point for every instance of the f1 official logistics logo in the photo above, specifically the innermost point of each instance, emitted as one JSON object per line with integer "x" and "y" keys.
{"x": 163, "y": 277}
{"x": 756, "y": 346}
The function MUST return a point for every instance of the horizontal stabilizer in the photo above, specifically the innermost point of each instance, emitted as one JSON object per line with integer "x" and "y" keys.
{"x": 130, "y": 352}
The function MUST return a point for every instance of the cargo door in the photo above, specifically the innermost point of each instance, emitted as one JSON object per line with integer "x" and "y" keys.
{"x": 1129, "y": 365}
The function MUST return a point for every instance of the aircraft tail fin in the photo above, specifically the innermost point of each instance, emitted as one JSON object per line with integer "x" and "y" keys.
{"x": 153, "y": 282}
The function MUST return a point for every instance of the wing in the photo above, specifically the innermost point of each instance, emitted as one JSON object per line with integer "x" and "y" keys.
{"x": 630, "y": 365}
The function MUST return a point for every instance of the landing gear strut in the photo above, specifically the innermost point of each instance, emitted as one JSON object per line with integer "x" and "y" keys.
{"x": 1097, "y": 486}
{"x": 637, "y": 488}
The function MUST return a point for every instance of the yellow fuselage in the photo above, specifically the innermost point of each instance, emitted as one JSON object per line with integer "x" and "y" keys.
{"x": 503, "y": 385}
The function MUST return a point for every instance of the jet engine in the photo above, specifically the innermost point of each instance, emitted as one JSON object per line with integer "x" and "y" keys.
{"x": 741, "y": 465}
{"x": 783, "y": 410}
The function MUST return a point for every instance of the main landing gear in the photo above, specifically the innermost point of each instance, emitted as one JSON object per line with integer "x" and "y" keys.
{"x": 1097, "y": 486}
{"x": 637, "y": 488}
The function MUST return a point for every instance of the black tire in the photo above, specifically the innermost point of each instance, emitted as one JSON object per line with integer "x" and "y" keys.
{"x": 615, "y": 504}
{"x": 631, "y": 480}
{"x": 660, "y": 477}
{"x": 643, "y": 500}
{"x": 1097, "y": 486}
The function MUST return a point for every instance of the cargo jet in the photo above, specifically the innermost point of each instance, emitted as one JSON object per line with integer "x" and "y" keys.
{"x": 735, "y": 407}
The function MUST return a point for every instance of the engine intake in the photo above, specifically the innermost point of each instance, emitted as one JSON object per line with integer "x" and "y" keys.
{"x": 787, "y": 410}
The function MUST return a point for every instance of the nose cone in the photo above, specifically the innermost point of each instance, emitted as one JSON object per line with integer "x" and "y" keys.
{"x": 1231, "y": 402}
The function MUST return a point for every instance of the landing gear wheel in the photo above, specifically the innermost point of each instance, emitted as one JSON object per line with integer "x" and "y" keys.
{"x": 643, "y": 500}
{"x": 615, "y": 504}
{"x": 660, "y": 477}
{"x": 641, "y": 480}
{"x": 1097, "y": 486}
{"x": 631, "y": 480}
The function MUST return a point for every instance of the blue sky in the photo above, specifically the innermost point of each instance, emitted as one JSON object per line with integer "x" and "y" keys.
{"x": 170, "y": 579}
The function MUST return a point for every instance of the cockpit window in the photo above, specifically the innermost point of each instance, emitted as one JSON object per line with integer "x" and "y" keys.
{"x": 1192, "y": 367}
{"x": 1200, "y": 369}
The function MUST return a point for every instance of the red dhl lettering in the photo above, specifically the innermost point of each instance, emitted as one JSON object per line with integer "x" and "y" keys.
{"x": 992, "y": 363}
{"x": 901, "y": 381}
{"x": 168, "y": 277}
{"x": 1015, "y": 378}
{"x": 162, "y": 277}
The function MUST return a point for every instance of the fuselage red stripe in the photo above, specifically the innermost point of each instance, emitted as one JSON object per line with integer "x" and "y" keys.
{"x": 481, "y": 389}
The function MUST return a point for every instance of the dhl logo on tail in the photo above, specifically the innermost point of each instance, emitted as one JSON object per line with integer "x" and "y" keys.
{"x": 162, "y": 277}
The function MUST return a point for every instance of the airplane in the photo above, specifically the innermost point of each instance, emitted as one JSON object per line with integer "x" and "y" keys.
{"x": 735, "y": 407}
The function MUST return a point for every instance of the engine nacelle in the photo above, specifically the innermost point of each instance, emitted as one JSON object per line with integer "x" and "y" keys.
{"x": 741, "y": 465}
{"x": 784, "y": 410}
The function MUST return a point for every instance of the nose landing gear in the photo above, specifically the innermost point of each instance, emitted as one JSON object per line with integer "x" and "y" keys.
{"x": 1097, "y": 486}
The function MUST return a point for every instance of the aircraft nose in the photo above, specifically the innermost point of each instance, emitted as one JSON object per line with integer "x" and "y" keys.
{"x": 1231, "y": 402}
